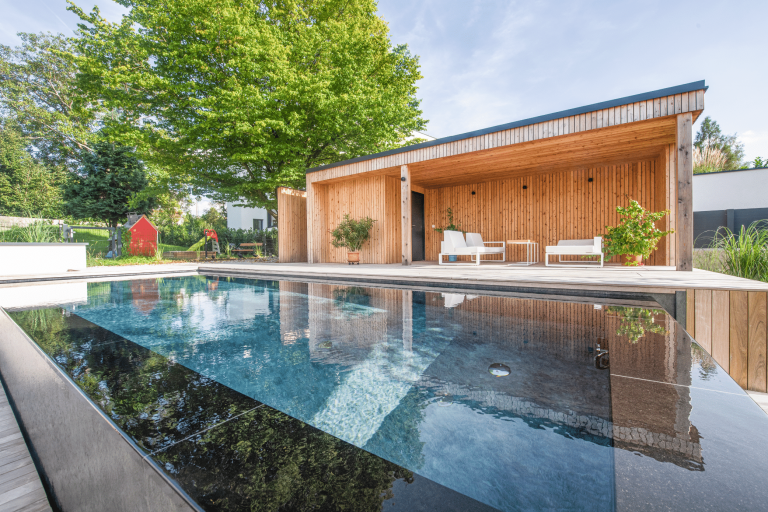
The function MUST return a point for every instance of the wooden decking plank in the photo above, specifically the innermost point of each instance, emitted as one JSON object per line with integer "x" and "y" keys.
{"x": 18, "y": 481}
{"x": 21, "y": 461}
{"x": 19, "y": 491}
{"x": 31, "y": 499}
{"x": 17, "y": 473}
{"x": 20, "y": 485}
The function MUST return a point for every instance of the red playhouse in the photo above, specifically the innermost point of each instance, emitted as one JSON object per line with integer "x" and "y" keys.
{"x": 143, "y": 235}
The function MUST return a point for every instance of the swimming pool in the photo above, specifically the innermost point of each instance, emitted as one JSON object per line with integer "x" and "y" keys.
{"x": 257, "y": 394}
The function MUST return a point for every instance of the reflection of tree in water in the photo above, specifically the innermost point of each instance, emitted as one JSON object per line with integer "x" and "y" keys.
{"x": 707, "y": 366}
{"x": 262, "y": 460}
{"x": 636, "y": 321}
{"x": 266, "y": 461}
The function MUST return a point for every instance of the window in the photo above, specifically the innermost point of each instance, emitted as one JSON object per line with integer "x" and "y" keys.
{"x": 258, "y": 224}
{"x": 270, "y": 221}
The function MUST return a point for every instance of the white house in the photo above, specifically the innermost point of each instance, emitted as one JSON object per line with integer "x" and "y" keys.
{"x": 728, "y": 199}
{"x": 239, "y": 217}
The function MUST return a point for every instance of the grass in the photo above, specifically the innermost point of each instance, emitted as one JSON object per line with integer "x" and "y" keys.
{"x": 38, "y": 232}
{"x": 743, "y": 255}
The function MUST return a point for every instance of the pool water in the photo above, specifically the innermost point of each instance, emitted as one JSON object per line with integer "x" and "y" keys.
{"x": 403, "y": 378}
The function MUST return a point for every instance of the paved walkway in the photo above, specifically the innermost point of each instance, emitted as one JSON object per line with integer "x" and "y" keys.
{"x": 20, "y": 486}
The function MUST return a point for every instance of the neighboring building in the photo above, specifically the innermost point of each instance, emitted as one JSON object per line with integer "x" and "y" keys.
{"x": 728, "y": 199}
{"x": 239, "y": 217}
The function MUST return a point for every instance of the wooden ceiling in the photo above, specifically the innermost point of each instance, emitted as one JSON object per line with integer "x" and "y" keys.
{"x": 604, "y": 146}
{"x": 632, "y": 142}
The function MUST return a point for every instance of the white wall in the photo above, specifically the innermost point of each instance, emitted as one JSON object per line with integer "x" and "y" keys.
{"x": 730, "y": 190}
{"x": 242, "y": 218}
{"x": 17, "y": 258}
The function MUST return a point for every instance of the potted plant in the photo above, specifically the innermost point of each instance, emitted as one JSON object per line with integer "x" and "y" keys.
{"x": 636, "y": 236}
{"x": 450, "y": 227}
{"x": 352, "y": 234}
{"x": 636, "y": 321}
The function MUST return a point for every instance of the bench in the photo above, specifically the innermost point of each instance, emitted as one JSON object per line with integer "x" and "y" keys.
{"x": 246, "y": 248}
{"x": 588, "y": 247}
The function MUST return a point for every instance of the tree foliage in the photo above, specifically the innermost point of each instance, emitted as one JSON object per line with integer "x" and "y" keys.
{"x": 105, "y": 184}
{"x": 239, "y": 98}
{"x": 38, "y": 92}
{"x": 26, "y": 186}
{"x": 710, "y": 136}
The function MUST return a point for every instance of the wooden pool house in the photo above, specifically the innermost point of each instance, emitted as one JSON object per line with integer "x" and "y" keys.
{"x": 549, "y": 178}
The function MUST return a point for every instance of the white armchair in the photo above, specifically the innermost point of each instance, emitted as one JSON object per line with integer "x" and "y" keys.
{"x": 453, "y": 244}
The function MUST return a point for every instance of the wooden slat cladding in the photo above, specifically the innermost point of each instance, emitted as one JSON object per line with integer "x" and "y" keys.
{"x": 597, "y": 120}
{"x": 291, "y": 225}
{"x": 547, "y": 208}
{"x": 731, "y": 326}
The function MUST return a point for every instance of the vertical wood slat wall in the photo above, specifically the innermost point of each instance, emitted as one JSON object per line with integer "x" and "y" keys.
{"x": 291, "y": 225}
{"x": 552, "y": 207}
{"x": 731, "y": 326}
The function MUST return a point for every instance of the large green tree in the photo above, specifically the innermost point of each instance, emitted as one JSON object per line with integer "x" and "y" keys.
{"x": 27, "y": 187}
{"x": 238, "y": 98}
{"x": 711, "y": 136}
{"x": 38, "y": 93}
{"x": 105, "y": 186}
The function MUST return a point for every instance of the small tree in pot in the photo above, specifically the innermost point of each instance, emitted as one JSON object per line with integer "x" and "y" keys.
{"x": 636, "y": 236}
{"x": 352, "y": 234}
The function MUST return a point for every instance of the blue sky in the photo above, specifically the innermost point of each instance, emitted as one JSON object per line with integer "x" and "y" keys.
{"x": 490, "y": 62}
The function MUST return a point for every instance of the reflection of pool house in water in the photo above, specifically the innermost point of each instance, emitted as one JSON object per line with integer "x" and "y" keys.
{"x": 557, "y": 337}
{"x": 549, "y": 178}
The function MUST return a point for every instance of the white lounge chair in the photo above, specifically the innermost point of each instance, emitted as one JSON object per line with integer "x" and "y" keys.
{"x": 453, "y": 244}
{"x": 588, "y": 247}
{"x": 475, "y": 240}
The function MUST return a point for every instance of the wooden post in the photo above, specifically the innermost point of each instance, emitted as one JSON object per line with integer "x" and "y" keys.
{"x": 684, "y": 235}
{"x": 407, "y": 320}
{"x": 310, "y": 215}
{"x": 405, "y": 214}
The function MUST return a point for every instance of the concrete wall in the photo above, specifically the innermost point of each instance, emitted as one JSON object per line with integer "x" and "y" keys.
{"x": 730, "y": 190}
{"x": 242, "y": 218}
{"x": 20, "y": 258}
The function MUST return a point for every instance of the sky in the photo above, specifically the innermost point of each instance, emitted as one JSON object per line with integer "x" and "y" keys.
{"x": 490, "y": 62}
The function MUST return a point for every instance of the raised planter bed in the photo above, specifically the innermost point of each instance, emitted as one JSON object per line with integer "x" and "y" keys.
{"x": 23, "y": 258}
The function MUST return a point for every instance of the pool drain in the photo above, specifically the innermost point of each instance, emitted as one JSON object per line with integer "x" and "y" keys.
{"x": 499, "y": 370}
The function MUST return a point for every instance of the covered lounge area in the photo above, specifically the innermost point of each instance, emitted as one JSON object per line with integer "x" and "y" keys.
{"x": 545, "y": 179}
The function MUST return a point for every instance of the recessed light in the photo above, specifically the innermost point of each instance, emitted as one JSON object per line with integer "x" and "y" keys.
{"x": 499, "y": 370}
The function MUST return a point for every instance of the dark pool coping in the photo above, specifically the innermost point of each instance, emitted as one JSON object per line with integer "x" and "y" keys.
{"x": 6, "y": 322}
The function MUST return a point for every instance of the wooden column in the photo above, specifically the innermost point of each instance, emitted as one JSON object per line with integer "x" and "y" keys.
{"x": 405, "y": 214}
{"x": 407, "y": 320}
{"x": 684, "y": 234}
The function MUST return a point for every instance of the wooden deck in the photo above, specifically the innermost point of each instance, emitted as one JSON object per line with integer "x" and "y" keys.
{"x": 610, "y": 278}
{"x": 20, "y": 486}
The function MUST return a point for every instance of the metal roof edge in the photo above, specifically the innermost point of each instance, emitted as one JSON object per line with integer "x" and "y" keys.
{"x": 678, "y": 89}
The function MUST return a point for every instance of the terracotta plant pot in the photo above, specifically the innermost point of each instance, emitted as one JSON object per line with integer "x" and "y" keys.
{"x": 637, "y": 258}
{"x": 353, "y": 257}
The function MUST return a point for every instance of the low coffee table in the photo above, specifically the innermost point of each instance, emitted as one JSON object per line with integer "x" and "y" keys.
{"x": 531, "y": 252}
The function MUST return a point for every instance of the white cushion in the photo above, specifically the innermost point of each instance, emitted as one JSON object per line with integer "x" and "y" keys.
{"x": 475, "y": 240}
{"x": 454, "y": 240}
{"x": 488, "y": 250}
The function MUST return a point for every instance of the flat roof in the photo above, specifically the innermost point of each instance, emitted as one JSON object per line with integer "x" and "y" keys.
{"x": 669, "y": 91}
